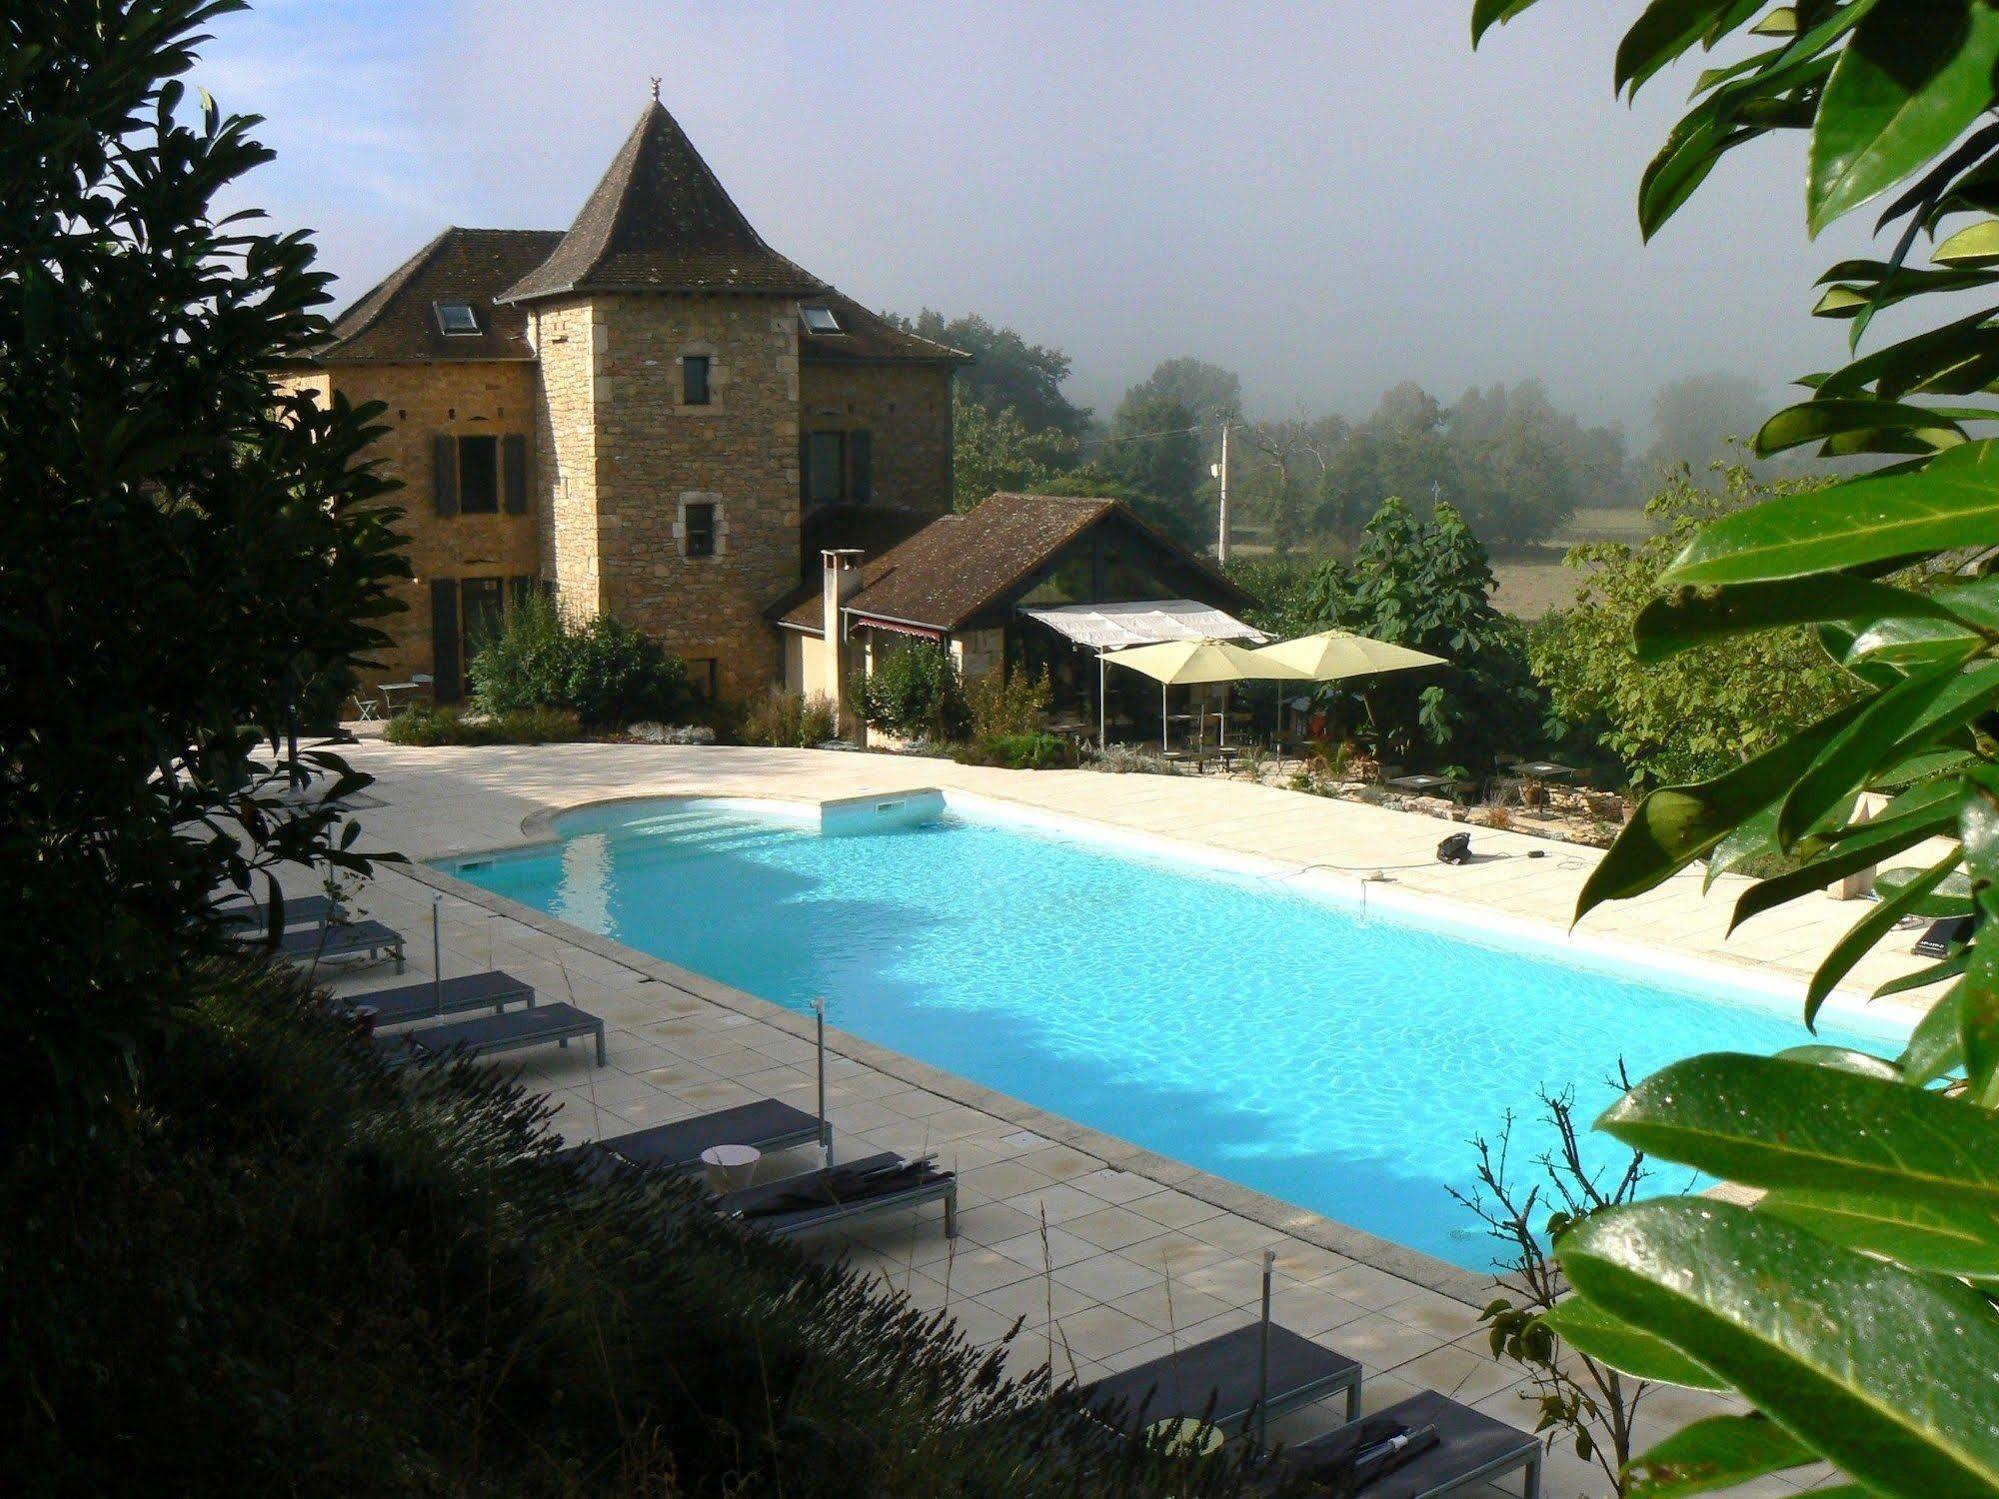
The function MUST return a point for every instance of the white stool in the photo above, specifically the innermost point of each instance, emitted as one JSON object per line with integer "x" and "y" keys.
{"x": 730, "y": 1167}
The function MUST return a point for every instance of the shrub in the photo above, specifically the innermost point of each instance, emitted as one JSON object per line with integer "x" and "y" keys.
{"x": 1035, "y": 751}
{"x": 790, "y": 720}
{"x": 426, "y": 727}
{"x": 914, "y": 693}
{"x": 603, "y": 671}
{"x": 676, "y": 733}
{"x": 1002, "y": 702}
{"x": 1129, "y": 759}
{"x": 389, "y": 1285}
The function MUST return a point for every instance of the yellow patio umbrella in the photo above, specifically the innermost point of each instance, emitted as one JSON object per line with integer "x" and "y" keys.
{"x": 1333, "y": 655}
{"x": 1184, "y": 663}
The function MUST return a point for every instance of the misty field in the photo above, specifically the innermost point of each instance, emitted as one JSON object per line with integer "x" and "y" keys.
{"x": 1533, "y": 582}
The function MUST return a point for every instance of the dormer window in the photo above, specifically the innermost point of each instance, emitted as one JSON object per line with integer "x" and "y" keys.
{"x": 456, "y": 319}
{"x": 820, "y": 320}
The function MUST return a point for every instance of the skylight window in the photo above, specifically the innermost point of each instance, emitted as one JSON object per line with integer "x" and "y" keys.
{"x": 820, "y": 320}
{"x": 456, "y": 319}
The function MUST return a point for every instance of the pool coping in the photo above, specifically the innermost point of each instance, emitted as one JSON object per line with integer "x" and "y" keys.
{"x": 1470, "y": 1288}
{"x": 1467, "y": 1287}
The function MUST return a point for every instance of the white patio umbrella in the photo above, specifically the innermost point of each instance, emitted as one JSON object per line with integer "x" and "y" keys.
{"x": 1182, "y": 663}
{"x": 1334, "y": 655}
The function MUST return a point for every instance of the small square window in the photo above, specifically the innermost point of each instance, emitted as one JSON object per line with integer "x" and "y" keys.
{"x": 699, "y": 521}
{"x": 820, "y": 320}
{"x": 694, "y": 380}
{"x": 456, "y": 319}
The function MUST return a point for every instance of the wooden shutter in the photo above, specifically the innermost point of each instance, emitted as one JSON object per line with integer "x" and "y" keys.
{"x": 444, "y": 473}
{"x": 514, "y": 472}
{"x": 860, "y": 467}
{"x": 444, "y": 640}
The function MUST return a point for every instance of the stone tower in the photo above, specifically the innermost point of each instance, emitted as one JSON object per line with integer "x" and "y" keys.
{"x": 666, "y": 334}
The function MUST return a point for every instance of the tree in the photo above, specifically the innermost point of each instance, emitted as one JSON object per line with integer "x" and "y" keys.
{"x": 192, "y": 555}
{"x": 1697, "y": 417}
{"x": 1428, "y": 584}
{"x": 1706, "y": 709}
{"x": 1211, "y": 394}
{"x": 994, "y": 451}
{"x": 1007, "y": 372}
{"x": 1850, "y": 1304}
{"x": 1155, "y": 449}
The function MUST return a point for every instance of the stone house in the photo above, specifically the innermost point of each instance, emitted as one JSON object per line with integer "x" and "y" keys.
{"x": 652, "y": 414}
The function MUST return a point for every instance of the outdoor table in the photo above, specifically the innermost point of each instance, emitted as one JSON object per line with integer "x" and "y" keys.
{"x": 389, "y": 691}
{"x": 730, "y": 1166}
{"x": 1421, "y": 783}
{"x": 1545, "y": 770}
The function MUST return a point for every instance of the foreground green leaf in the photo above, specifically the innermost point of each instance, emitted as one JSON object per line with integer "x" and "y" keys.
{"x": 1590, "y": 1330}
{"x": 1765, "y": 1122}
{"x": 1953, "y": 502}
{"x": 1960, "y": 1241}
{"x": 1717, "y": 1453}
{"x": 1914, "y": 76}
{"x": 1886, "y": 1372}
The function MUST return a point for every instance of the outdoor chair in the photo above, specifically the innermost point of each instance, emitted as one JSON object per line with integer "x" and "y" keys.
{"x": 1944, "y": 936}
{"x": 767, "y": 1124}
{"x": 1469, "y": 1448}
{"x": 303, "y": 910}
{"x": 489, "y": 1035}
{"x": 472, "y": 991}
{"x": 838, "y": 1194}
{"x": 349, "y": 939}
{"x": 1218, "y": 1379}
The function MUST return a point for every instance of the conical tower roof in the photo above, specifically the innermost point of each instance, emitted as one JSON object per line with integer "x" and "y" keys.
{"x": 661, "y": 221}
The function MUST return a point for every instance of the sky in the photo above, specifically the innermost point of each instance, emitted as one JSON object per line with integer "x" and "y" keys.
{"x": 1328, "y": 198}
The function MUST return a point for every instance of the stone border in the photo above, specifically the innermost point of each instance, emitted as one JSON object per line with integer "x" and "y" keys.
{"x": 1464, "y": 1286}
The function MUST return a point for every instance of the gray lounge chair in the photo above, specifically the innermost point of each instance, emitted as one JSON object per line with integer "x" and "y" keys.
{"x": 303, "y": 910}
{"x": 768, "y": 1124}
{"x": 492, "y": 1034}
{"x": 858, "y": 1189}
{"x": 1219, "y": 1377}
{"x": 471, "y": 991}
{"x": 350, "y": 939}
{"x": 1471, "y": 1448}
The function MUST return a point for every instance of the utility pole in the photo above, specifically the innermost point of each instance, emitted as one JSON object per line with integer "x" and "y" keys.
{"x": 1221, "y": 472}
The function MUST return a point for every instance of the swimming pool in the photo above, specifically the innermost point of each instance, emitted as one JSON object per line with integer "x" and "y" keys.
{"x": 1278, "y": 1037}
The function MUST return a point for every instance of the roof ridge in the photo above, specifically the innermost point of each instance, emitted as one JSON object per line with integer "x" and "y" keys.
{"x": 384, "y": 292}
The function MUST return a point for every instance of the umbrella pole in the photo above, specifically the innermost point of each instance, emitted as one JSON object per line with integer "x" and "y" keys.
{"x": 1164, "y": 747}
{"x": 1263, "y": 1357}
{"x": 436, "y": 957}
{"x": 825, "y": 1135}
{"x": 1102, "y": 717}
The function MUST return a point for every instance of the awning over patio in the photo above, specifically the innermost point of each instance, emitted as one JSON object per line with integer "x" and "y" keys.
{"x": 1111, "y": 627}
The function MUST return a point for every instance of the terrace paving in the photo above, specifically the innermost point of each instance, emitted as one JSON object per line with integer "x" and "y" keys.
{"x": 1105, "y": 1254}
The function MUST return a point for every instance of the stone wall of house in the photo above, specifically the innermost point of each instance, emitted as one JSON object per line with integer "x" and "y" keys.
{"x": 977, "y": 652}
{"x": 570, "y": 341}
{"x": 424, "y": 401}
{"x": 907, "y": 410}
{"x": 655, "y": 455}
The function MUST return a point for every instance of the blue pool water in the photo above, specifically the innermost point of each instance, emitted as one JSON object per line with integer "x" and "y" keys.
{"x": 1339, "y": 1061}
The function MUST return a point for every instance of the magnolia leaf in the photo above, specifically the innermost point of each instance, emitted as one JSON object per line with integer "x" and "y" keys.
{"x": 1848, "y": 761}
{"x": 1813, "y": 421}
{"x": 1912, "y": 79}
{"x": 1936, "y": 1045}
{"x": 1951, "y": 502}
{"x": 1717, "y": 1453}
{"x": 1846, "y": 1060}
{"x": 1675, "y": 825}
{"x": 1975, "y": 244}
{"x": 1692, "y": 617}
{"x": 1867, "y": 932}
{"x": 1592, "y": 1331}
{"x": 1765, "y": 1122}
{"x": 1921, "y": 1235}
{"x": 1885, "y": 1371}
{"x": 1485, "y": 14}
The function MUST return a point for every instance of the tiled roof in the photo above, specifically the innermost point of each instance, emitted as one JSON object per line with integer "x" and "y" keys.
{"x": 397, "y": 319}
{"x": 868, "y": 338}
{"x": 959, "y": 565}
{"x": 661, "y": 221}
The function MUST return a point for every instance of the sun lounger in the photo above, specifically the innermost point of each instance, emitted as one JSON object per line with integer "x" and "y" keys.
{"x": 1943, "y": 936}
{"x": 857, "y": 1189}
{"x": 320, "y": 943}
{"x": 471, "y": 991}
{"x": 492, "y": 1034}
{"x": 303, "y": 910}
{"x": 1223, "y": 1370}
{"x": 1470, "y": 1448}
{"x": 768, "y": 1124}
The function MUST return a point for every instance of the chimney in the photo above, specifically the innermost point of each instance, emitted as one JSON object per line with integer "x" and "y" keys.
{"x": 841, "y": 576}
